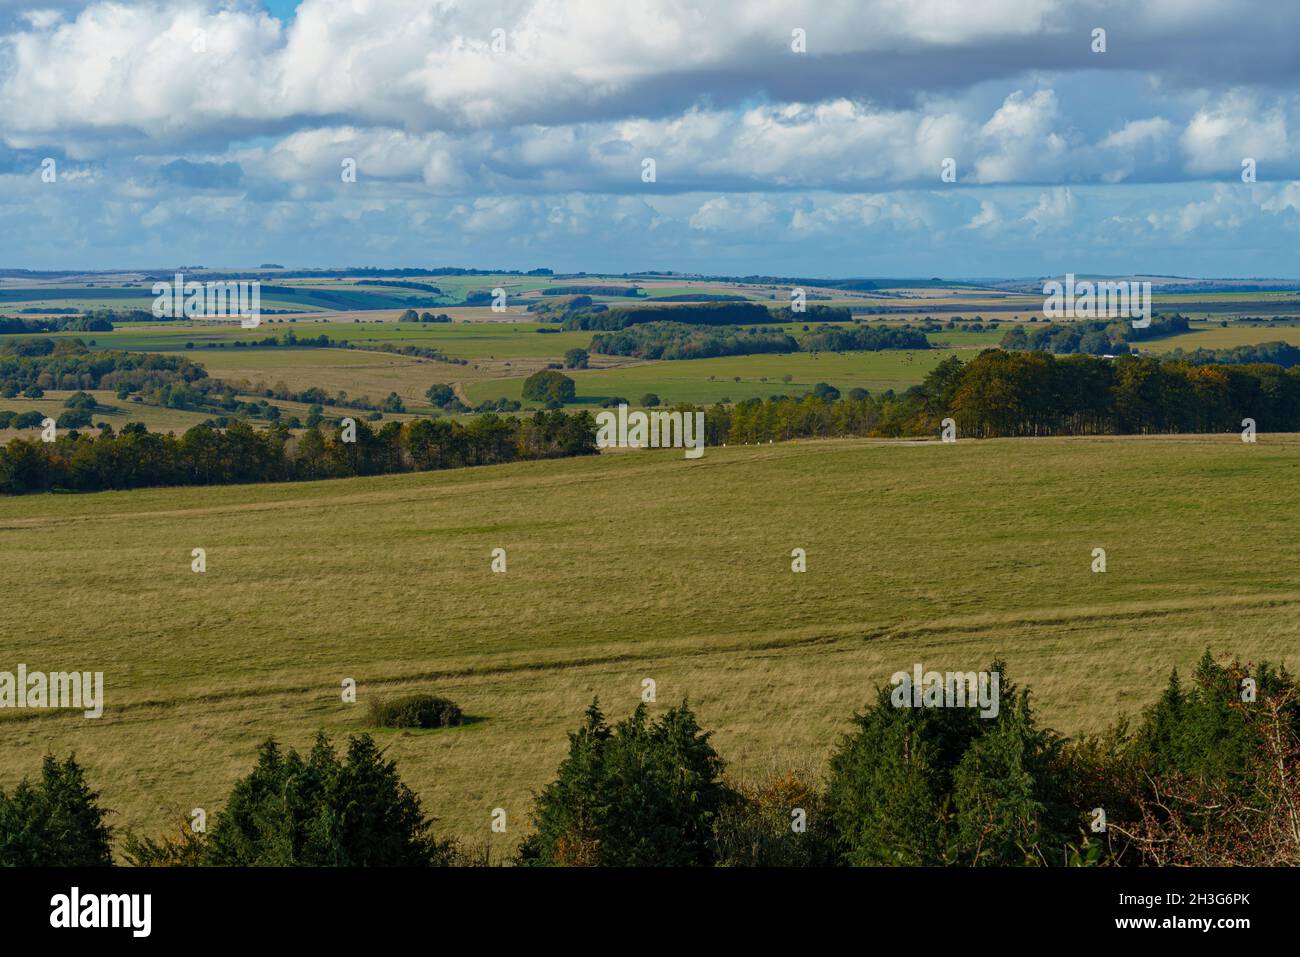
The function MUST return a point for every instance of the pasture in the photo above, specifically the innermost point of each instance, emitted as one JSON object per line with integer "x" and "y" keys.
{"x": 712, "y": 380}
{"x": 625, "y": 567}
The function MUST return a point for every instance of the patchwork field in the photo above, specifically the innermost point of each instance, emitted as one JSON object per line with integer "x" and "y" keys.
{"x": 712, "y": 380}
{"x": 625, "y": 567}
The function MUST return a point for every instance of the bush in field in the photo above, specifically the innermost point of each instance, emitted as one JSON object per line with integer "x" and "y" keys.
{"x": 55, "y": 822}
{"x": 73, "y": 419}
{"x": 323, "y": 812}
{"x": 414, "y": 711}
{"x": 441, "y": 395}
{"x": 576, "y": 359}
{"x": 644, "y": 792}
{"x": 549, "y": 386}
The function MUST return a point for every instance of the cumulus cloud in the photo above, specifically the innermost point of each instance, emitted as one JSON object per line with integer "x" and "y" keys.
{"x": 1235, "y": 127}
{"x": 518, "y": 123}
{"x": 1052, "y": 211}
{"x": 732, "y": 213}
{"x": 988, "y": 217}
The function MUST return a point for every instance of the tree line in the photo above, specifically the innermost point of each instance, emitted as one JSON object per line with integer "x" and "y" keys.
{"x": 1001, "y": 394}
{"x": 1282, "y": 354}
{"x": 138, "y": 458}
{"x": 698, "y": 314}
{"x": 1094, "y": 337}
{"x": 10, "y": 325}
{"x": 995, "y": 394}
{"x": 675, "y": 340}
{"x": 1202, "y": 779}
{"x": 30, "y": 366}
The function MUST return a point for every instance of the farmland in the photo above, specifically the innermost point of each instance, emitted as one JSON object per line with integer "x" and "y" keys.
{"x": 623, "y": 567}
{"x": 713, "y": 380}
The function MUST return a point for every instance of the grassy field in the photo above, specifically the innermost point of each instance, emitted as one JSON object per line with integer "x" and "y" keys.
{"x": 459, "y": 339}
{"x": 709, "y": 380}
{"x": 502, "y": 355}
{"x": 1213, "y": 336}
{"x": 117, "y": 412}
{"x": 623, "y": 567}
{"x": 358, "y": 373}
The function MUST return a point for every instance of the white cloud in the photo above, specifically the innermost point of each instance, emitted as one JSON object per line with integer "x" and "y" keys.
{"x": 1219, "y": 137}
{"x": 988, "y": 217}
{"x": 1018, "y": 140}
{"x": 732, "y": 213}
{"x": 1052, "y": 211}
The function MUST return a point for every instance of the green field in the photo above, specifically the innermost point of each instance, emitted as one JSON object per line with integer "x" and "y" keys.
{"x": 501, "y": 355}
{"x": 371, "y": 374}
{"x": 1213, "y": 336}
{"x": 628, "y": 566}
{"x": 689, "y": 380}
{"x": 461, "y": 340}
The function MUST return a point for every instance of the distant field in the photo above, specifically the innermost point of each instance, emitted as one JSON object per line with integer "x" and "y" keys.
{"x": 273, "y": 295}
{"x": 623, "y": 567}
{"x": 358, "y": 373}
{"x": 504, "y": 340}
{"x": 117, "y": 413}
{"x": 501, "y": 355}
{"x": 688, "y": 380}
{"x": 1212, "y": 336}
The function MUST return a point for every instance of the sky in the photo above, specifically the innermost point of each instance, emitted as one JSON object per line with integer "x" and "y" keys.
{"x": 785, "y": 137}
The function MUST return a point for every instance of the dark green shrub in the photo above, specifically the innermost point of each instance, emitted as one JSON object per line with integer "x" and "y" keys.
{"x": 414, "y": 711}
{"x": 549, "y": 386}
{"x": 73, "y": 419}
{"x": 28, "y": 420}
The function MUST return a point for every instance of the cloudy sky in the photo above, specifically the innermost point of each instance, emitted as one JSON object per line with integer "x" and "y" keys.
{"x": 516, "y": 134}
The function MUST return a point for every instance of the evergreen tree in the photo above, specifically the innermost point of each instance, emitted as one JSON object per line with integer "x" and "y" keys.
{"x": 55, "y": 822}
{"x": 643, "y": 793}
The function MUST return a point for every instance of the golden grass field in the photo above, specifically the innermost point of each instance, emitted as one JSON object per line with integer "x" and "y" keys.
{"x": 118, "y": 412}
{"x": 625, "y": 567}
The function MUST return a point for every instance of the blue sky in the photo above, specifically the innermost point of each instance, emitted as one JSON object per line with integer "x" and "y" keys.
{"x": 282, "y": 8}
{"x": 515, "y": 133}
